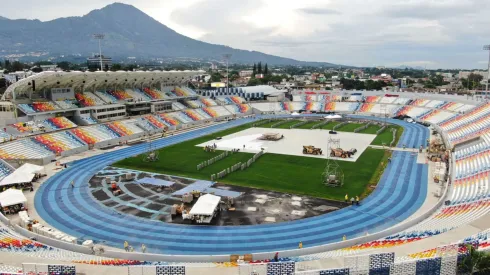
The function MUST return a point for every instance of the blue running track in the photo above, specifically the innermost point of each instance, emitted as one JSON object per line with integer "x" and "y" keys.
{"x": 401, "y": 191}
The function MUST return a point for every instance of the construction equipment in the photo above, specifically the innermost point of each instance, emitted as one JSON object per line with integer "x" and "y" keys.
{"x": 271, "y": 136}
{"x": 339, "y": 153}
{"x": 311, "y": 150}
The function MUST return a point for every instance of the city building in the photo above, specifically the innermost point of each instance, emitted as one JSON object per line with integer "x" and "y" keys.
{"x": 93, "y": 63}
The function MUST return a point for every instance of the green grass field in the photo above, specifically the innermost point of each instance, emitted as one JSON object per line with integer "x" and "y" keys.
{"x": 291, "y": 174}
{"x": 329, "y": 126}
{"x": 371, "y": 129}
{"x": 287, "y": 124}
{"x": 349, "y": 127}
{"x": 308, "y": 125}
{"x": 386, "y": 136}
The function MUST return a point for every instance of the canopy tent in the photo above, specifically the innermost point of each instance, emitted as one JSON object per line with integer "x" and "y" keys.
{"x": 333, "y": 116}
{"x": 12, "y": 197}
{"x": 295, "y": 114}
{"x": 205, "y": 205}
{"x": 25, "y": 173}
{"x": 157, "y": 182}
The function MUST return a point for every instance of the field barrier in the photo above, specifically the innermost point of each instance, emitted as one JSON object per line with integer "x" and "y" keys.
{"x": 364, "y": 127}
{"x": 339, "y": 125}
{"x": 381, "y": 130}
{"x": 298, "y": 124}
{"x": 213, "y": 160}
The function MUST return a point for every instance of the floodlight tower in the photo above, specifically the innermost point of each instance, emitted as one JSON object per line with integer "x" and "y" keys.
{"x": 227, "y": 59}
{"x": 99, "y": 36}
{"x": 487, "y": 48}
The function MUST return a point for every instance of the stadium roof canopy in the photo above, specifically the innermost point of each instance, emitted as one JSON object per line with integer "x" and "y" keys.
{"x": 94, "y": 80}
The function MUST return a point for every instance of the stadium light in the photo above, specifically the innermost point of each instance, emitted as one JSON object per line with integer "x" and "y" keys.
{"x": 227, "y": 59}
{"x": 487, "y": 48}
{"x": 99, "y": 36}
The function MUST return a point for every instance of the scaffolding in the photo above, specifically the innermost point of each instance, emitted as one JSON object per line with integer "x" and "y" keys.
{"x": 151, "y": 154}
{"x": 333, "y": 174}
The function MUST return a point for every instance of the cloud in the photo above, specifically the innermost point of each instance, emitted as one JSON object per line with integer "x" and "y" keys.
{"x": 318, "y": 11}
{"x": 448, "y": 33}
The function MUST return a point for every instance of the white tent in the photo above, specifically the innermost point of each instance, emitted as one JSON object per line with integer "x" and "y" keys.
{"x": 25, "y": 173}
{"x": 12, "y": 197}
{"x": 205, "y": 205}
{"x": 295, "y": 114}
{"x": 333, "y": 116}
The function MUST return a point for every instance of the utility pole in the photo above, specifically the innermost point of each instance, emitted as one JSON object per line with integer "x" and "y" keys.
{"x": 100, "y": 36}
{"x": 227, "y": 59}
{"x": 487, "y": 48}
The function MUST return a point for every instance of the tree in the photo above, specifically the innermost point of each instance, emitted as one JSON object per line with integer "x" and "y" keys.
{"x": 37, "y": 69}
{"x": 7, "y": 64}
{"x": 16, "y": 66}
{"x": 116, "y": 67}
{"x": 475, "y": 262}
{"x": 1, "y": 64}
{"x": 254, "y": 70}
{"x": 64, "y": 65}
{"x": 3, "y": 83}
{"x": 215, "y": 77}
{"x": 254, "y": 82}
{"x": 266, "y": 69}
{"x": 259, "y": 68}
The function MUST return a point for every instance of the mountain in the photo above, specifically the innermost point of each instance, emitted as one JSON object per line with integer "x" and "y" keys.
{"x": 128, "y": 32}
{"x": 3, "y": 18}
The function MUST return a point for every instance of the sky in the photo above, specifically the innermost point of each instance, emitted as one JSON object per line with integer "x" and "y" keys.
{"x": 425, "y": 33}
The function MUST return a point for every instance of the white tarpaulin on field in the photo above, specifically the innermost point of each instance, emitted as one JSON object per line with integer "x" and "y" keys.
{"x": 12, "y": 197}
{"x": 205, "y": 205}
{"x": 25, "y": 173}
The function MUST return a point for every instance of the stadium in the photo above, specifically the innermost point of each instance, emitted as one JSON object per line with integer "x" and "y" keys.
{"x": 137, "y": 173}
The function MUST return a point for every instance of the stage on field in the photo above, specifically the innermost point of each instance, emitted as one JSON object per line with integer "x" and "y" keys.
{"x": 293, "y": 141}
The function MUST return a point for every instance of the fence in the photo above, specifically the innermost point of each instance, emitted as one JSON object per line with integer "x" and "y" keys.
{"x": 384, "y": 263}
{"x": 278, "y": 123}
{"x": 381, "y": 130}
{"x": 236, "y": 167}
{"x": 392, "y": 143}
{"x": 35, "y": 269}
{"x": 299, "y": 124}
{"x": 339, "y": 125}
{"x": 265, "y": 121}
{"x": 364, "y": 127}
{"x": 320, "y": 124}
{"x": 271, "y": 268}
{"x": 157, "y": 270}
{"x": 213, "y": 160}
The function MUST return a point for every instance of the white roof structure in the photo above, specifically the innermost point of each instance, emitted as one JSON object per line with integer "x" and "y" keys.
{"x": 25, "y": 173}
{"x": 205, "y": 205}
{"x": 12, "y": 197}
{"x": 266, "y": 89}
{"x": 92, "y": 80}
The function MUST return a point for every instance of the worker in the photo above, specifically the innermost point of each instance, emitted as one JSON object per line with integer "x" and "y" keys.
{"x": 276, "y": 257}
{"x": 300, "y": 245}
{"x": 126, "y": 246}
{"x": 346, "y": 198}
{"x": 131, "y": 249}
{"x": 344, "y": 238}
{"x": 72, "y": 184}
{"x": 352, "y": 200}
{"x": 143, "y": 248}
{"x": 357, "y": 200}
{"x": 389, "y": 160}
